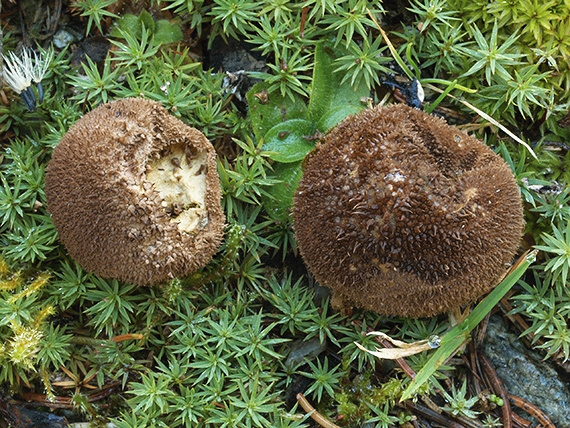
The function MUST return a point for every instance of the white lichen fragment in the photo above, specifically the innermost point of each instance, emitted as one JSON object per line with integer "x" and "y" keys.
{"x": 180, "y": 179}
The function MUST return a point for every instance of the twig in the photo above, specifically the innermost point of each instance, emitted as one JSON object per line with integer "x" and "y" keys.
{"x": 53, "y": 20}
{"x": 129, "y": 336}
{"x": 472, "y": 363}
{"x": 532, "y": 410}
{"x": 498, "y": 388}
{"x": 304, "y": 13}
{"x": 521, "y": 422}
{"x": 430, "y": 415}
{"x": 479, "y": 336}
{"x": 55, "y": 403}
{"x": 65, "y": 402}
{"x": 316, "y": 416}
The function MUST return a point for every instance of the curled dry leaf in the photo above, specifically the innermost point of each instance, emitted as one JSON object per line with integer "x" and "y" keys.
{"x": 402, "y": 349}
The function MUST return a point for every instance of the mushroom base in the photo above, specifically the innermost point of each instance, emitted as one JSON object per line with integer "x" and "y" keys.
{"x": 380, "y": 293}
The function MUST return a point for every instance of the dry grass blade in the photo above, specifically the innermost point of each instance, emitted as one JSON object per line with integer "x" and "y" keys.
{"x": 488, "y": 118}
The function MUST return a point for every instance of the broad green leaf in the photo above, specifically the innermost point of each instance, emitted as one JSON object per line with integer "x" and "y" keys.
{"x": 145, "y": 19}
{"x": 277, "y": 206}
{"x": 163, "y": 30}
{"x": 267, "y": 110}
{"x": 328, "y": 93}
{"x": 290, "y": 141}
{"x": 128, "y": 23}
{"x": 323, "y": 84}
{"x": 346, "y": 94}
{"x": 336, "y": 115}
{"x": 167, "y": 32}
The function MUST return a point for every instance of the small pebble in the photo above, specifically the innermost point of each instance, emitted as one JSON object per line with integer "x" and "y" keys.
{"x": 63, "y": 38}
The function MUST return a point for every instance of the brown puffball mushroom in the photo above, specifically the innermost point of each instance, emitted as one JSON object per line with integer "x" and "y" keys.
{"x": 399, "y": 213}
{"x": 135, "y": 194}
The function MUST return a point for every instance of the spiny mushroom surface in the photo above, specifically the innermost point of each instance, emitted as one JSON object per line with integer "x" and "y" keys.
{"x": 134, "y": 193}
{"x": 400, "y": 213}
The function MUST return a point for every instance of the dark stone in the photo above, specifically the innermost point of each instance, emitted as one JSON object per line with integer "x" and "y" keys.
{"x": 232, "y": 56}
{"x": 95, "y": 48}
{"x": 19, "y": 416}
{"x": 525, "y": 374}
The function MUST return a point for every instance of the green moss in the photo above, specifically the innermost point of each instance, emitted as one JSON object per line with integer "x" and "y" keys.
{"x": 209, "y": 350}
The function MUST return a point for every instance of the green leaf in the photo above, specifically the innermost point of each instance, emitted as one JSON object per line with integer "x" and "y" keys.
{"x": 460, "y": 333}
{"x": 145, "y": 19}
{"x": 167, "y": 32}
{"x": 267, "y": 110}
{"x": 128, "y": 23}
{"x": 323, "y": 82}
{"x": 290, "y": 141}
{"x": 280, "y": 195}
{"x": 163, "y": 30}
{"x": 345, "y": 94}
{"x": 336, "y": 115}
{"x": 329, "y": 92}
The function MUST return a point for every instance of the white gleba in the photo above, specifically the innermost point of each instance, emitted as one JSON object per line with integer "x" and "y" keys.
{"x": 20, "y": 72}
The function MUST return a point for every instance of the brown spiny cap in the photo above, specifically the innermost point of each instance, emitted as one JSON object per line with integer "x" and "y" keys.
{"x": 400, "y": 213}
{"x": 134, "y": 193}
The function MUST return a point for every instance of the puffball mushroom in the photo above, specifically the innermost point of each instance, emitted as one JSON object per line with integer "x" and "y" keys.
{"x": 400, "y": 213}
{"x": 134, "y": 193}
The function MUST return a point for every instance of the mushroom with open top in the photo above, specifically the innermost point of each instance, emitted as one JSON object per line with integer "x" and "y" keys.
{"x": 135, "y": 194}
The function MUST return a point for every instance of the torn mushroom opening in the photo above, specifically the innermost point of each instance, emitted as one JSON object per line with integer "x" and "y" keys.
{"x": 178, "y": 174}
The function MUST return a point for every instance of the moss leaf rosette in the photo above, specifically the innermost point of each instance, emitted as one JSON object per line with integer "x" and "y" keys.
{"x": 400, "y": 213}
{"x": 134, "y": 193}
